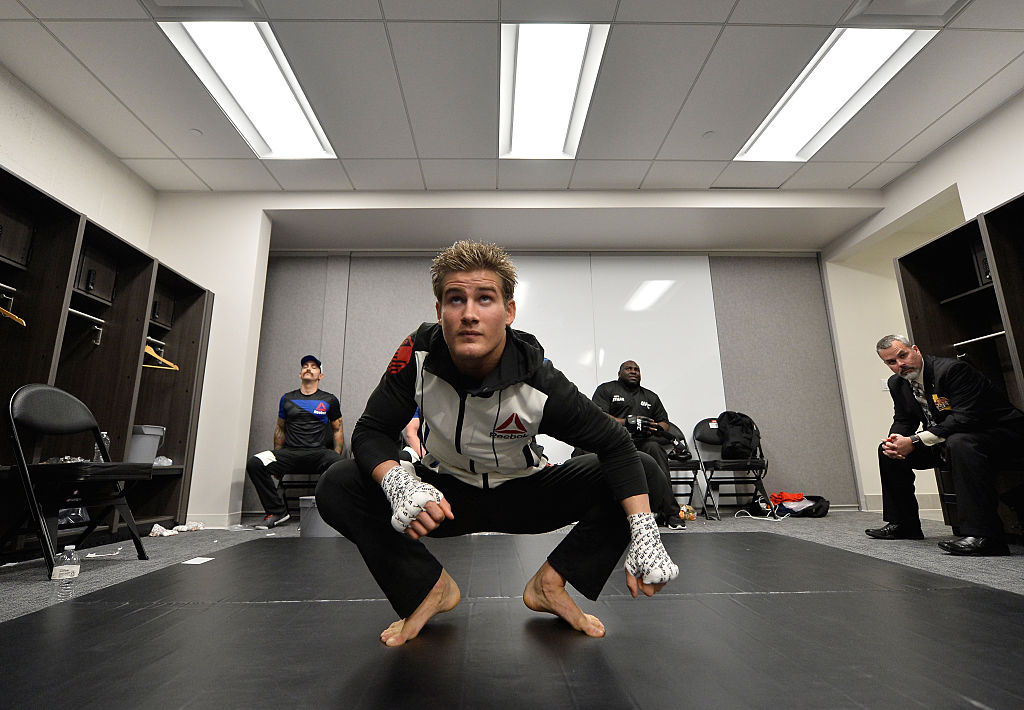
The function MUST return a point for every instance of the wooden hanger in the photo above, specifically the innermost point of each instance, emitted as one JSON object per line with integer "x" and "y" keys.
{"x": 7, "y": 314}
{"x": 167, "y": 364}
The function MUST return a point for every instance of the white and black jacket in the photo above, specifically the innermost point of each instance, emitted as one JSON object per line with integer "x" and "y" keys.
{"x": 484, "y": 433}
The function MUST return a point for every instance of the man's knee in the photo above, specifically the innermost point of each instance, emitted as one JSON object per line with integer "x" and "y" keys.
{"x": 336, "y": 486}
{"x": 254, "y": 464}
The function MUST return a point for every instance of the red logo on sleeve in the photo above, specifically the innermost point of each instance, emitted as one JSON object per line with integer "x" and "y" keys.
{"x": 401, "y": 357}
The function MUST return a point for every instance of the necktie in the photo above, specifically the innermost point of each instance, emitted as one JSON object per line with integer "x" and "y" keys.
{"x": 918, "y": 389}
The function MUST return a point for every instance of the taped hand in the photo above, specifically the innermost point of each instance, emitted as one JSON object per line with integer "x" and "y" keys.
{"x": 647, "y": 558}
{"x": 408, "y": 496}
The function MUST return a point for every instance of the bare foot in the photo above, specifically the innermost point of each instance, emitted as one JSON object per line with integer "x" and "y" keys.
{"x": 546, "y": 592}
{"x": 441, "y": 598}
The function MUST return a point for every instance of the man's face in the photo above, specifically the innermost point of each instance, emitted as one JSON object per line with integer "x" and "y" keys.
{"x": 629, "y": 372}
{"x": 473, "y": 316}
{"x": 310, "y": 373}
{"x": 903, "y": 360}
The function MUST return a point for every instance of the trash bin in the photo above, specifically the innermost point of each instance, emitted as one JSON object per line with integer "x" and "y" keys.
{"x": 146, "y": 440}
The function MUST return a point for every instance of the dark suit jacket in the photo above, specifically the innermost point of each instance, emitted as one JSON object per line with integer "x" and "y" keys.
{"x": 960, "y": 398}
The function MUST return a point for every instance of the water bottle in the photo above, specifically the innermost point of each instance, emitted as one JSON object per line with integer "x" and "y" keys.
{"x": 96, "y": 455}
{"x": 66, "y": 567}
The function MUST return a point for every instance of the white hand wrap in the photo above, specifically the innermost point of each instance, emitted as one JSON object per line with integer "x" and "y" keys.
{"x": 408, "y": 496}
{"x": 646, "y": 554}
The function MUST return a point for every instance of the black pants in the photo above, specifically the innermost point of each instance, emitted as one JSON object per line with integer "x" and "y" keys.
{"x": 663, "y": 499}
{"x": 288, "y": 461}
{"x": 354, "y": 504}
{"x": 973, "y": 459}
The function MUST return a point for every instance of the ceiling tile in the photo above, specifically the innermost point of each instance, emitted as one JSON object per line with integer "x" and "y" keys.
{"x": 462, "y": 10}
{"x": 991, "y": 14}
{"x": 312, "y": 175}
{"x": 91, "y": 10}
{"x": 558, "y": 10}
{"x": 534, "y": 174}
{"x": 790, "y": 12}
{"x": 384, "y": 174}
{"x": 347, "y": 73}
{"x": 827, "y": 176}
{"x": 137, "y": 63}
{"x": 608, "y": 174}
{"x": 749, "y": 69}
{"x": 460, "y": 174}
{"x": 753, "y": 175}
{"x": 35, "y": 57}
{"x": 13, "y": 11}
{"x": 683, "y": 174}
{"x": 322, "y": 9}
{"x": 674, "y": 10}
{"x": 449, "y": 74}
{"x": 646, "y": 73}
{"x": 882, "y": 175}
{"x": 979, "y": 104}
{"x": 234, "y": 175}
{"x": 168, "y": 175}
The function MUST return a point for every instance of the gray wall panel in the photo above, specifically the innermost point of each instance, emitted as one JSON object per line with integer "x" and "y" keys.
{"x": 388, "y": 298}
{"x": 779, "y": 367}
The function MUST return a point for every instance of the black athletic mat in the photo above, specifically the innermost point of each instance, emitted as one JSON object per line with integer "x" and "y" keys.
{"x": 755, "y": 620}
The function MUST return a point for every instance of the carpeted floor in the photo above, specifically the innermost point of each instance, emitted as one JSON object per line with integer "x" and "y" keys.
{"x": 26, "y": 589}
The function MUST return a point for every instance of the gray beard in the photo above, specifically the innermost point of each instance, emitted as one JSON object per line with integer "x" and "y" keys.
{"x": 912, "y": 375}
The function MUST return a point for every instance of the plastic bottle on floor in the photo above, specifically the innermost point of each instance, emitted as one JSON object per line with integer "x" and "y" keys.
{"x": 66, "y": 567}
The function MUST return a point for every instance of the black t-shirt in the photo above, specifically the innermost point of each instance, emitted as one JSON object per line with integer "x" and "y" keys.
{"x": 620, "y": 401}
{"x": 307, "y": 419}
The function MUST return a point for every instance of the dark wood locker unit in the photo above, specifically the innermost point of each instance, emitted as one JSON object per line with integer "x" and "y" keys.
{"x": 37, "y": 291}
{"x": 170, "y": 397}
{"x": 103, "y": 340}
{"x": 87, "y": 299}
{"x": 963, "y": 297}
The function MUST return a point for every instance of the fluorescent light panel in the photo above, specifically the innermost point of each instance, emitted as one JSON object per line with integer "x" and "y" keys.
{"x": 849, "y": 69}
{"x": 243, "y": 67}
{"x": 548, "y": 72}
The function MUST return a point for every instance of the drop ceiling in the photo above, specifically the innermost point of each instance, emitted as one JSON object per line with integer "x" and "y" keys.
{"x": 406, "y": 91}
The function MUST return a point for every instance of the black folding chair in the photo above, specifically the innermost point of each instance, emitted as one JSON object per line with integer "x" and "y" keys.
{"x": 683, "y": 471}
{"x": 719, "y": 471}
{"x": 99, "y": 487}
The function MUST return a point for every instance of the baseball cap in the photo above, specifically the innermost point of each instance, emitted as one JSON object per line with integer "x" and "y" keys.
{"x": 308, "y": 358}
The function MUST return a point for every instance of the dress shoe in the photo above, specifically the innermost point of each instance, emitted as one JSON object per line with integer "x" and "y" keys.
{"x": 892, "y": 531}
{"x": 975, "y": 547}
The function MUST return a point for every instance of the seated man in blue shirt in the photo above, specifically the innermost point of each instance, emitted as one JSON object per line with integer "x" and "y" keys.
{"x": 307, "y": 439}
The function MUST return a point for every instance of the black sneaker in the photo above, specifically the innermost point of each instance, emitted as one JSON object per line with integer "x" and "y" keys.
{"x": 676, "y": 523}
{"x": 273, "y": 520}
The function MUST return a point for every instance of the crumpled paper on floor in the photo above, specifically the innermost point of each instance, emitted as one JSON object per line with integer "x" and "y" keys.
{"x": 160, "y": 531}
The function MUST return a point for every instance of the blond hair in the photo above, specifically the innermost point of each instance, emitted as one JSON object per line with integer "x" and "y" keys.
{"x": 466, "y": 255}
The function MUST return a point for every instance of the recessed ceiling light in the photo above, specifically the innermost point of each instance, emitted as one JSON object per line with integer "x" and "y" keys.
{"x": 245, "y": 70}
{"x": 849, "y": 69}
{"x": 548, "y": 72}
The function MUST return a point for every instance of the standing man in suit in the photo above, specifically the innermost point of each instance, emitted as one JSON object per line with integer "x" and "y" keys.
{"x": 981, "y": 431}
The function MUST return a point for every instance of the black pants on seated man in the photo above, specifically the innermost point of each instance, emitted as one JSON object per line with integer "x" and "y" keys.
{"x": 973, "y": 458}
{"x": 265, "y": 466}
{"x": 556, "y": 496}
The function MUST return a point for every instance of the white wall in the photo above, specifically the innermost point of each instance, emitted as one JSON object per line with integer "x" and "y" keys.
{"x": 46, "y": 150}
{"x": 981, "y": 169}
